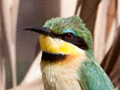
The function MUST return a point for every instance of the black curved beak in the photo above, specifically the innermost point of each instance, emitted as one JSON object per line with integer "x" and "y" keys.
{"x": 42, "y": 30}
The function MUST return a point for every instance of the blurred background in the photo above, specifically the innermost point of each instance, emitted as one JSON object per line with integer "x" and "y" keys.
{"x": 20, "y": 52}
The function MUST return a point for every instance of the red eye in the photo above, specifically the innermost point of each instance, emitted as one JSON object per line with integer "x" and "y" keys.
{"x": 69, "y": 35}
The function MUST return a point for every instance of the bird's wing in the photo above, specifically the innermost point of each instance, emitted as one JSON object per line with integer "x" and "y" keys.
{"x": 93, "y": 77}
{"x": 82, "y": 88}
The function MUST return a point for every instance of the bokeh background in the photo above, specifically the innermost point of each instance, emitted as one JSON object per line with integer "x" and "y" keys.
{"x": 20, "y": 52}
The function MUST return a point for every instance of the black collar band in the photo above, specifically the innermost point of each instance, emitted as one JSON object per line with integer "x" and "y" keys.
{"x": 52, "y": 57}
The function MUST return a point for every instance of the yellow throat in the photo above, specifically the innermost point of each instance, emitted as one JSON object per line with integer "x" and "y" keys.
{"x": 58, "y": 46}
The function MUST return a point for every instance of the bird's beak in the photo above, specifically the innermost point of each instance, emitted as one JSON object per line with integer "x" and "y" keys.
{"x": 42, "y": 30}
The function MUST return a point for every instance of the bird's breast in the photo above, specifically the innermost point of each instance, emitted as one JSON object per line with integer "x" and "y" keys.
{"x": 63, "y": 74}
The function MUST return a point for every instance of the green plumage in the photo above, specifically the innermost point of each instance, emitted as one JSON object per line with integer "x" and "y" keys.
{"x": 91, "y": 75}
{"x": 58, "y": 25}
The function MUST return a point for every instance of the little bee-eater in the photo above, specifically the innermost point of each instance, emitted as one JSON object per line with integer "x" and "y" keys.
{"x": 68, "y": 62}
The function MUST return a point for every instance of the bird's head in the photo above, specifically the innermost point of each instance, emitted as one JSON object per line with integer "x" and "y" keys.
{"x": 64, "y": 36}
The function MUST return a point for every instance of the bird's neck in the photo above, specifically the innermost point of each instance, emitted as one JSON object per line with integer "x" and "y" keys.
{"x": 90, "y": 55}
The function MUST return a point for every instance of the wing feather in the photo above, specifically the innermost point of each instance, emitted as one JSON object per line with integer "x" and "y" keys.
{"x": 93, "y": 77}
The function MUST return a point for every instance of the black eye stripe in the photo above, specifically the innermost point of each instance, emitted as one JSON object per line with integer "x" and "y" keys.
{"x": 78, "y": 41}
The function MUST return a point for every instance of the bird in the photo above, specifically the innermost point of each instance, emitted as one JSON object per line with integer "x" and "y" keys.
{"x": 68, "y": 61}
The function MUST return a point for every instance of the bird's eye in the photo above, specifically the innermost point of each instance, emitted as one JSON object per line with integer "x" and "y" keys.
{"x": 69, "y": 35}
